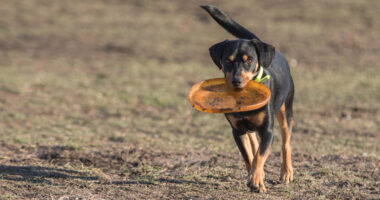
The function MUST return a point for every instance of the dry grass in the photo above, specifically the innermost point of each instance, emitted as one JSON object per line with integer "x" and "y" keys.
{"x": 93, "y": 100}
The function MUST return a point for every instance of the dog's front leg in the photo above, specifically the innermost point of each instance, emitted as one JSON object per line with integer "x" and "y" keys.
{"x": 251, "y": 146}
{"x": 243, "y": 142}
{"x": 256, "y": 177}
{"x": 254, "y": 143}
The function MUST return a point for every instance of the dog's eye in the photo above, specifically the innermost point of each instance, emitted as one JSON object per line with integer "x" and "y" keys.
{"x": 249, "y": 61}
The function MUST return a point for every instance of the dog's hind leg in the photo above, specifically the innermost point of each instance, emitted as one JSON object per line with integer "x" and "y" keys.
{"x": 286, "y": 131}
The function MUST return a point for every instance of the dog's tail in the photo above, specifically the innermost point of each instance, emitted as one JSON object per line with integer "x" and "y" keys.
{"x": 228, "y": 23}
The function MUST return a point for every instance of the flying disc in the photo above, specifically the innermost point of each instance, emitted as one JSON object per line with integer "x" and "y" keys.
{"x": 215, "y": 96}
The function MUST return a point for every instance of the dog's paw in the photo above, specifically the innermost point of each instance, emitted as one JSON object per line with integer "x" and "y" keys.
{"x": 286, "y": 174}
{"x": 256, "y": 181}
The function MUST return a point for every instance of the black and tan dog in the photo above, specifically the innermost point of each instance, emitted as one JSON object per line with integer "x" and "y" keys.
{"x": 241, "y": 60}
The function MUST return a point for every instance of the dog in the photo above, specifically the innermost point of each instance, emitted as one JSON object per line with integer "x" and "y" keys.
{"x": 241, "y": 60}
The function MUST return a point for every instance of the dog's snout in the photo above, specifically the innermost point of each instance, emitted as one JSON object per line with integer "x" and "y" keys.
{"x": 236, "y": 81}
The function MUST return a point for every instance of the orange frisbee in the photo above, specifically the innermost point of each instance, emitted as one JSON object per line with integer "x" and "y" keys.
{"x": 215, "y": 96}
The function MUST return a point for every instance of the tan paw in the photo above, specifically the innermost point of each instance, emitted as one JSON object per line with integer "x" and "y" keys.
{"x": 256, "y": 181}
{"x": 286, "y": 173}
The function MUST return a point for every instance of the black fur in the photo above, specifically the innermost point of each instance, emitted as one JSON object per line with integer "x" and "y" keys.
{"x": 216, "y": 53}
{"x": 229, "y": 24}
{"x": 266, "y": 53}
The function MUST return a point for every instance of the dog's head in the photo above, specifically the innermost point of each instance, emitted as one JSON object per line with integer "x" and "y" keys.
{"x": 240, "y": 59}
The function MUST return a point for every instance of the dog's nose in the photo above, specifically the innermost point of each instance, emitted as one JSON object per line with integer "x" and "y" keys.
{"x": 236, "y": 81}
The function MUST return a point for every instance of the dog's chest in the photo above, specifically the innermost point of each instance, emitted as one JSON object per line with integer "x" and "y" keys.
{"x": 248, "y": 122}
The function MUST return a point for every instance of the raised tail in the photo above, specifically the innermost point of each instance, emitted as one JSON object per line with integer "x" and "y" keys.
{"x": 228, "y": 23}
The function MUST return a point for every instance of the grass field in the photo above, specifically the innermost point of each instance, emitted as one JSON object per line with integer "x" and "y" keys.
{"x": 93, "y": 100}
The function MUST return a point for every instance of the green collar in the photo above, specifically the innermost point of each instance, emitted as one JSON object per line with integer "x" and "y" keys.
{"x": 259, "y": 78}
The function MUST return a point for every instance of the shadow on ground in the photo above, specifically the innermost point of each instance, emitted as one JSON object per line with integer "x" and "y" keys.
{"x": 37, "y": 174}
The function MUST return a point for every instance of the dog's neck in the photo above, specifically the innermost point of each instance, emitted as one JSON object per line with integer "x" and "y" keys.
{"x": 259, "y": 75}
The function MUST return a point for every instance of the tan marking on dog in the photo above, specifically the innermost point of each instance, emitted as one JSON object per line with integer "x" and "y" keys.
{"x": 257, "y": 119}
{"x": 245, "y": 57}
{"x": 231, "y": 58}
{"x": 257, "y": 174}
{"x": 245, "y": 140}
{"x": 251, "y": 146}
{"x": 246, "y": 76}
{"x": 286, "y": 132}
{"x": 254, "y": 142}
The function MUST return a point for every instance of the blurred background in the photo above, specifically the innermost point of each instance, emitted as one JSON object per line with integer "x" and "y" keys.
{"x": 93, "y": 99}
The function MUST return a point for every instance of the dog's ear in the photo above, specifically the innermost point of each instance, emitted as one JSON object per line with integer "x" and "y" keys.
{"x": 216, "y": 51}
{"x": 265, "y": 52}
